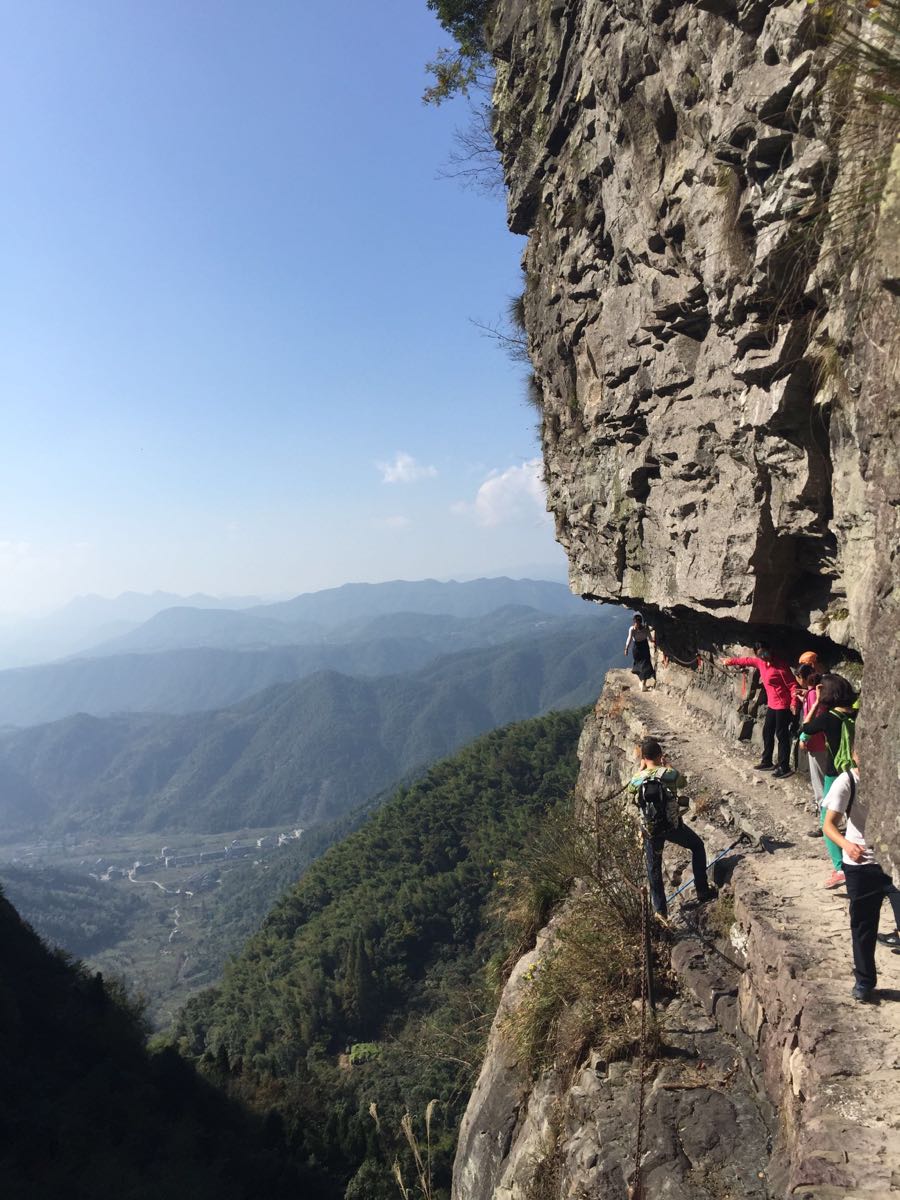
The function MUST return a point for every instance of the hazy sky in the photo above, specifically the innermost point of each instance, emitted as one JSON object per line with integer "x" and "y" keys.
{"x": 236, "y": 344}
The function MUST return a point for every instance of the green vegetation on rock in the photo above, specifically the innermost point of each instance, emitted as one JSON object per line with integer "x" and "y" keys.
{"x": 456, "y": 71}
{"x": 393, "y": 937}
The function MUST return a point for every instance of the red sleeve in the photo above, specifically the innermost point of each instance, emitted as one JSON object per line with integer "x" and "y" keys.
{"x": 744, "y": 662}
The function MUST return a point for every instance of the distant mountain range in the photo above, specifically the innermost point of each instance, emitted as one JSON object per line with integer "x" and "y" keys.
{"x": 87, "y": 620}
{"x": 186, "y": 659}
{"x": 318, "y": 616}
{"x": 193, "y": 679}
{"x": 299, "y": 752}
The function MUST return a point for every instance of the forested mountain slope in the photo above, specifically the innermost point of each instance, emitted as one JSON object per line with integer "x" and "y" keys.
{"x": 303, "y": 752}
{"x": 85, "y": 1111}
{"x": 391, "y": 938}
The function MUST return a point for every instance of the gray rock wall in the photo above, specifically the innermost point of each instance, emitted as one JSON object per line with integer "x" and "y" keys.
{"x": 716, "y": 354}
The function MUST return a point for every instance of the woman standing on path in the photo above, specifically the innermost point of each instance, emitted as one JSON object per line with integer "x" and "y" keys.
{"x": 781, "y": 694}
{"x": 639, "y": 641}
{"x": 835, "y": 716}
{"x": 814, "y": 744}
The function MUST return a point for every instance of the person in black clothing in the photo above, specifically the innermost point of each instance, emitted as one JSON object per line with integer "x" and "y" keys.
{"x": 867, "y": 883}
{"x": 640, "y": 641}
{"x": 654, "y": 767}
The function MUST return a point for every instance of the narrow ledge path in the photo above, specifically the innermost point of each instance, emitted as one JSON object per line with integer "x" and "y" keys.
{"x": 839, "y": 1060}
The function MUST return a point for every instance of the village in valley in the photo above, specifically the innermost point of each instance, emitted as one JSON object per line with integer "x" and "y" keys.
{"x": 179, "y": 889}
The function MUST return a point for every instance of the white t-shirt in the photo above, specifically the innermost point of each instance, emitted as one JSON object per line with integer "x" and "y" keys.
{"x": 836, "y": 801}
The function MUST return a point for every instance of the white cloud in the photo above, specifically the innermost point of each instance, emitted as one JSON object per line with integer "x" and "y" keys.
{"x": 507, "y": 495}
{"x": 15, "y": 554}
{"x": 404, "y": 469}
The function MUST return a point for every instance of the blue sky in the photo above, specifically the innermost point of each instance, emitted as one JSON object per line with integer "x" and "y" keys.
{"x": 236, "y": 344}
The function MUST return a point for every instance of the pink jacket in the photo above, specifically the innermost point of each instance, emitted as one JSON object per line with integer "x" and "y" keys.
{"x": 777, "y": 678}
{"x": 815, "y": 742}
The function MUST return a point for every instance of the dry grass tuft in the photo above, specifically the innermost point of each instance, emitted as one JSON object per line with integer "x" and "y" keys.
{"x": 579, "y": 995}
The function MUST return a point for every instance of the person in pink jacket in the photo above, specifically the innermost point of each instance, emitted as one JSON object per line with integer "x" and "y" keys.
{"x": 813, "y": 743}
{"x": 781, "y": 696}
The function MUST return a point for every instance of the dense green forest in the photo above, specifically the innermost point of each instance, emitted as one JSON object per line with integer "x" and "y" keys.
{"x": 85, "y": 1111}
{"x": 68, "y": 908}
{"x": 373, "y": 980}
{"x": 247, "y": 894}
{"x": 300, "y": 753}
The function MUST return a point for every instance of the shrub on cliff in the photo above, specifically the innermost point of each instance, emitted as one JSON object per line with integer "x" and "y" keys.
{"x": 458, "y": 70}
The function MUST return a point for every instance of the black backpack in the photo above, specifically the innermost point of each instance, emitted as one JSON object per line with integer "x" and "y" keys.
{"x": 655, "y": 799}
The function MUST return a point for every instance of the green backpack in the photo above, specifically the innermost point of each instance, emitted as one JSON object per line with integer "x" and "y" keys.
{"x": 843, "y": 756}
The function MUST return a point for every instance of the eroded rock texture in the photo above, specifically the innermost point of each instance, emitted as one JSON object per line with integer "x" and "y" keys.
{"x": 712, "y": 301}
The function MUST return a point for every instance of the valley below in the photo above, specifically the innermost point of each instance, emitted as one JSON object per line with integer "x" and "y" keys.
{"x": 164, "y": 924}
{"x": 149, "y": 830}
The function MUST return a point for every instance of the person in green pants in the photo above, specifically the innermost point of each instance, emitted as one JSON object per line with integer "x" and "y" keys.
{"x": 835, "y": 716}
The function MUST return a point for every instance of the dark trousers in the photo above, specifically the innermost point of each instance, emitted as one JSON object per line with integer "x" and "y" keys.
{"x": 867, "y": 886}
{"x": 777, "y": 725}
{"x": 653, "y": 847}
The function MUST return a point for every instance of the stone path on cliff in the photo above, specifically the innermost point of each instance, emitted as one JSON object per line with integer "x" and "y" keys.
{"x": 787, "y": 876}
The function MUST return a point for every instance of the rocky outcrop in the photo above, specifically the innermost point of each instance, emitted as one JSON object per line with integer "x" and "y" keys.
{"x": 712, "y": 300}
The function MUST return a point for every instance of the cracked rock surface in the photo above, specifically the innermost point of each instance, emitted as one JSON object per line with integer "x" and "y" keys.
{"x": 713, "y": 319}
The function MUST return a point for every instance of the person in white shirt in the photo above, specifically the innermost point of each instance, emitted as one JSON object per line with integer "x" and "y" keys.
{"x": 867, "y": 883}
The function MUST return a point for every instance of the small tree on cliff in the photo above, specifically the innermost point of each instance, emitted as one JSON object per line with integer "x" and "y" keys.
{"x": 456, "y": 71}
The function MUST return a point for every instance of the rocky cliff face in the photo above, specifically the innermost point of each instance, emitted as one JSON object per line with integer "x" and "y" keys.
{"x": 712, "y": 292}
{"x": 712, "y": 303}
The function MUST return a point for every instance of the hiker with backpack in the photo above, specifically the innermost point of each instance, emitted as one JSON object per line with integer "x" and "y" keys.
{"x": 655, "y": 788}
{"x": 867, "y": 883}
{"x": 781, "y": 696}
{"x": 834, "y": 715}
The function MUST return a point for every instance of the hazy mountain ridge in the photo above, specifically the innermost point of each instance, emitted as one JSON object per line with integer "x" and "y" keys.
{"x": 200, "y": 677}
{"x": 304, "y": 752}
{"x": 474, "y": 598}
{"x": 87, "y": 620}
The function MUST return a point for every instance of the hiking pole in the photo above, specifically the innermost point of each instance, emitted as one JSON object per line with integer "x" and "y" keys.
{"x": 744, "y": 838}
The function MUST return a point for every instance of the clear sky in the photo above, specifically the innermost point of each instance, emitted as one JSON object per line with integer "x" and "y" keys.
{"x": 235, "y": 307}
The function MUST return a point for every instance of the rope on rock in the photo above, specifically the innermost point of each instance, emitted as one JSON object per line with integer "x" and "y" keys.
{"x": 636, "y": 1190}
{"x": 692, "y": 663}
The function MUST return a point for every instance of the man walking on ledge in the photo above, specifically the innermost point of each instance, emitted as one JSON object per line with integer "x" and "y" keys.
{"x": 655, "y": 788}
{"x": 781, "y": 694}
